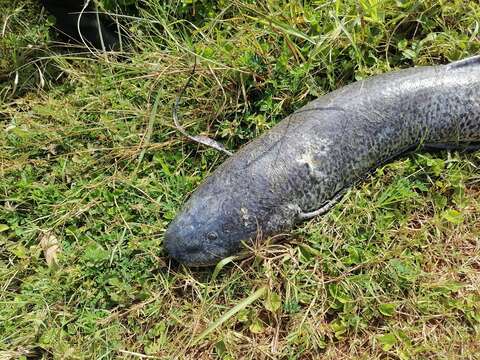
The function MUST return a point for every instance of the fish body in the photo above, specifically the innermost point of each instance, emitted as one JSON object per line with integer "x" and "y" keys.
{"x": 293, "y": 170}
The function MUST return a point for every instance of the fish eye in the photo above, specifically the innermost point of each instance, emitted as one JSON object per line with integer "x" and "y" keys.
{"x": 212, "y": 235}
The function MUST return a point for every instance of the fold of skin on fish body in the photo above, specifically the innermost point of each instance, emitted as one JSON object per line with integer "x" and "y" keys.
{"x": 292, "y": 170}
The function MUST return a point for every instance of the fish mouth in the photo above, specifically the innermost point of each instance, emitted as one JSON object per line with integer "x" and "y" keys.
{"x": 193, "y": 255}
{"x": 196, "y": 258}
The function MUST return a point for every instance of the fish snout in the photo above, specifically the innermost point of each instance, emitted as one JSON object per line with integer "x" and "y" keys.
{"x": 179, "y": 241}
{"x": 181, "y": 245}
{"x": 170, "y": 243}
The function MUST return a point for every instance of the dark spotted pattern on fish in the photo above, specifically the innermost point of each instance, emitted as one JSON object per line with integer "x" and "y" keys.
{"x": 295, "y": 168}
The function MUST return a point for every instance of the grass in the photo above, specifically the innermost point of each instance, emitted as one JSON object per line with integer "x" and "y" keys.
{"x": 89, "y": 157}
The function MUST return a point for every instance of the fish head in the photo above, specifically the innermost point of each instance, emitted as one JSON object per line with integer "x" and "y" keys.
{"x": 211, "y": 226}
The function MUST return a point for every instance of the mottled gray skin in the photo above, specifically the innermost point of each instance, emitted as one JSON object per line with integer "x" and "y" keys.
{"x": 273, "y": 182}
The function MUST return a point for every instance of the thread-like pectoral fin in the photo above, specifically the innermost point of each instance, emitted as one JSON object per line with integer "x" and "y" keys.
{"x": 461, "y": 146}
{"x": 325, "y": 208}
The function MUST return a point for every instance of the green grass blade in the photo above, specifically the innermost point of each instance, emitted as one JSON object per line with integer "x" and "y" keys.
{"x": 221, "y": 264}
{"x": 240, "y": 306}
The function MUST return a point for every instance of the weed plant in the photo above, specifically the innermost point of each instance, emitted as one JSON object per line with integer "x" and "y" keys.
{"x": 90, "y": 159}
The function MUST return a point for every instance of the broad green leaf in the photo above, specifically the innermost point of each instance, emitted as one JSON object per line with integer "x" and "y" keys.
{"x": 256, "y": 327}
{"x": 387, "y": 341}
{"x": 387, "y": 309}
{"x": 243, "y": 315}
{"x": 339, "y": 328}
{"x": 273, "y": 302}
{"x": 453, "y": 216}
